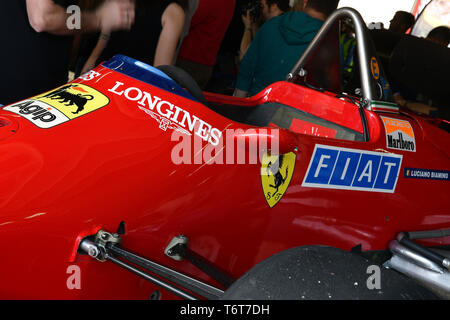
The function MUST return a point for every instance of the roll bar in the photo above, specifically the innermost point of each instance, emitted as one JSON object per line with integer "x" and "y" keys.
{"x": 367, "y": 94}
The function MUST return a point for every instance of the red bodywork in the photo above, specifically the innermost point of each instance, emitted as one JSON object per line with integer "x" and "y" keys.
{"x": 114, "y": 164}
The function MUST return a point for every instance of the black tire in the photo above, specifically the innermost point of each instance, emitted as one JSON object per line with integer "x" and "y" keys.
{"x": 321, "y": 273}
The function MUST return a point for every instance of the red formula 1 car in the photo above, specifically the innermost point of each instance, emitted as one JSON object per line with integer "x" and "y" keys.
{"x": 130, "y": 183}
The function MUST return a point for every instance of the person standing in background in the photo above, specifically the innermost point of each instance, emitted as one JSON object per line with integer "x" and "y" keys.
{"x": 278, "y": 45}
{"x": 198, "y": 52}
{"x": 153, "y": 39}
{"x": 193, "y": 5}
{"x": 401, "y": 22}
{"x": 299, "y": 5}
{"x": 440, "y": 35}
{"x": 37, "y": 41}
{"x": 269, "y": 9}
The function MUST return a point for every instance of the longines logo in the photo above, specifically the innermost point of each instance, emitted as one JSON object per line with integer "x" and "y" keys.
{"x": 168, "y": 115}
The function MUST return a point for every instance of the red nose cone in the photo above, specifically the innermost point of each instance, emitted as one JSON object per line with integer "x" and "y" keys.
{"x": 8, "y": 126}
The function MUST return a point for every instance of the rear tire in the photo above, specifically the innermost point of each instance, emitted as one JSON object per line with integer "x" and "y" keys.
{"x": 322, "y": 273}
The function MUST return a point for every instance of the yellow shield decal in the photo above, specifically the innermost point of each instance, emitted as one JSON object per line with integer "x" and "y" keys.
{"x": 60, "y": 105}
{"x": 276, "y": 174}
{"x": 74, "y": 100}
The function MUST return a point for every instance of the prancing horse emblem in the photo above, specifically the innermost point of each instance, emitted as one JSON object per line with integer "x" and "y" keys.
{"x": 276, "y": 174}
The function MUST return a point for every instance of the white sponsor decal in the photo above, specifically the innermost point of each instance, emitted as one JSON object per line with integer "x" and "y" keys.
{"x": 168, "y": 115}
{"x": 41, "y": 114}
{"x": 60, "y": 105}
{"x": 88, "y": 76}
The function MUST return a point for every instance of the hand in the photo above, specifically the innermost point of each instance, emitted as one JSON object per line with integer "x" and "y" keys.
{"x": 88, "y": 66}
{"x": 420, "y": 108}
{"x": 398, "y": 98}
{"x": 116, "y": 14}
{"x": 247, "y": 20}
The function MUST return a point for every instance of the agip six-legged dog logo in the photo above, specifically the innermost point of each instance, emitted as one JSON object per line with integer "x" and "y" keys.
{"x": 60, "y": 105}
{"x": 64, "y": 96}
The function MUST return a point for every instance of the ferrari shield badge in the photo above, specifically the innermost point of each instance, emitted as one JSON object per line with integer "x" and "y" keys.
{"x": 276, "y": 174}
{"x": 60, "y": 105}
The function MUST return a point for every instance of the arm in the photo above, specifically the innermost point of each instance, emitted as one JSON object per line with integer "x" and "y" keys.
{"x": 101, "y": 45}
{"x": 414, "y": 105}
{"x": 247, "y": 68}
{"x": 420, "y": 107}
{"x": 47, "y": 16}
{"x": 172, "y": 22}
{"x": 247, "y": 37}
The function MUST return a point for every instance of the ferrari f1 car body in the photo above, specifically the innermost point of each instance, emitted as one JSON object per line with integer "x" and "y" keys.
{"x": 124, "y": 170}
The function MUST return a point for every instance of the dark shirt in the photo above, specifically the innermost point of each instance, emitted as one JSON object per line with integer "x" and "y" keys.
{"x": 277, "y": 46}
{"x": 141, "y": 41}
{"x": 31, "y": 62}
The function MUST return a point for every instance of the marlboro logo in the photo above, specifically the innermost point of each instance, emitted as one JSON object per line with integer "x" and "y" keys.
{"x": 399, "y": 134}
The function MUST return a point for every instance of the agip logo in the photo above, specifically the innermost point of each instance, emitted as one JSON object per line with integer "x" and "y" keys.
{"x": 60, "y": 105}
